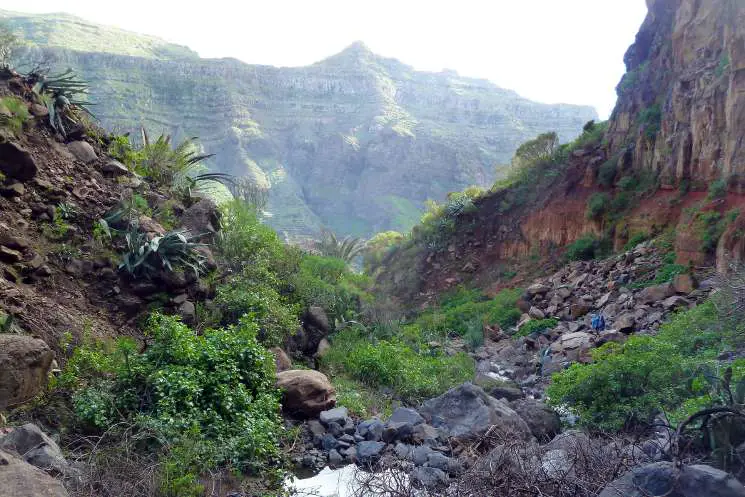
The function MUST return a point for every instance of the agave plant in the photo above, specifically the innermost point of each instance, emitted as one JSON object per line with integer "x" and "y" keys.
{"x": 346, "y": 249}
{"x": 148, "y": 256}
{"x": 64, "y": 96}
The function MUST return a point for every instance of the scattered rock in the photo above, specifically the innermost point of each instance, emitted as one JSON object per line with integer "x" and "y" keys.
{"x": 24, "y": 366}
{"x": 625, "y": 323}
{"x": 115, "y": 168}
{"x": 684, "y": 283}
{"x": 429, "y": 477}
{"x": 188, "y": 312}
{"x": 406, "y": 415}
{"x": 323, "y": 347}
{"x": 369, "y": 451}
{"x": 371, "y": 430}
{"x": 13, "y": 190}
{"x": 36, "y": 448}
{"x": 202, "y": 218}
{"x": 573, "y": 347}
{"x": 83, "y": 151}
{"x": 655, "y": 294}
{"x": 576, "y": 311}
{"x": 675, "y": 302}
{"x": 467, "y": 411}
{"x": 538, "y": 289}
{"x": 306, "y": 392}
{"x": 10, "y": 256}
{"x": 335, "y": 459}
{"x": 536, "y": 313}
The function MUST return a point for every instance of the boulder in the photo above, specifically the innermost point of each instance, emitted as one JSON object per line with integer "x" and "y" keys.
{"x": 115, "y": 168}
{"x": 684, "y": 283}
{"x": 20, "y": 479}
{"x": 556, "y": 463}
{"x": 372, "y": 429}
{"x": 316, "y": 316}
{"x": 428, "y": 477}
{"x": 306, "y": 392}
{"x": 281, "y": 359}
{"x": 538, "y": 289}
{"x": 336, "y": 415}
{"x": 369, "y": 451}
{"x": 625, "y": 323}
{"x": 36, "y": 448}
{"x": 315, "y": 328}
{"x": 426, "y": 434}
{"x": 24, "y": 366}
{"x": 573, "y": 346}
{"x": 655, "y": 294}
{"x": 544, "y": 422}
{"x": 467, "y": 411}
{"x": 406, "y": 415}
{"x": 536, "y": 313}
{"x": 83, "y": 151}
{"x": 675, "y": 302}
{"x": 16, "y": 162}
{"x": 323, "y": 347}
{"x": 663, "y": 478}
{"x": 397, "y": 430}
{"x": 202, "y": 218}
{"x": 578, "y": 310}
{"x": 13, "y": 190}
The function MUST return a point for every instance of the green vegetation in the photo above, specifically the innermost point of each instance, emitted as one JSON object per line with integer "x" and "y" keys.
{"x": 145, "y": 257}
{"x": 439, "y": 220}
{"x": 723, "y": 66}
{"x": 717, "y": 190}
{"x": 587, "y": 247}
{"x": 711, "y": 225}
{"x": 13, "y": 113}
{"x": 378, "y": 247}
{"x": 627, "y": 384}
{"x": 607, "y": 172}
{"x": 650, "y": 119}
{"x": 412, "y": 374}
{"x": 65, "y": 97}
{"x": 202, "y": 400}
{"x": 635, "y": 240}
{"x": 8, "y": 42}
{"x": 346, "y": 249}
{"x": 597, "y": 206}
{"x": 537, "y": 326}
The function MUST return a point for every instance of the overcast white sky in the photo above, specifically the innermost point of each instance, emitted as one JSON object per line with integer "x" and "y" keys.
{"x": 548, "y": 50}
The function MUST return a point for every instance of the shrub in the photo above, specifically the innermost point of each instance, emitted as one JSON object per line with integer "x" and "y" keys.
{"x": 209, "y": 397}
{"x": 14, "y": 113}
{"x": 413, "y": 376}
{"x": 537, "y": 326}
{"x": 651, "y": 119}
{"x": 626, "y": 384}
{"x": 635, "y": 240}
{"x": 628, "y": 183}
{"x": 597, "y": 206}
{"x": 170, "y": 251}
{"x": 607, "y": 172}
{"x": 584, "y": 248}
{"x": 717, "y": 190}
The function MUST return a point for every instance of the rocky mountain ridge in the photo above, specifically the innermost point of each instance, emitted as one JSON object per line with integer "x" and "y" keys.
{"x": 356, "y": 142}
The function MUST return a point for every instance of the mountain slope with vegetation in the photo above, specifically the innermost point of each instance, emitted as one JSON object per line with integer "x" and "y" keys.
{"x": 355, "y": 142}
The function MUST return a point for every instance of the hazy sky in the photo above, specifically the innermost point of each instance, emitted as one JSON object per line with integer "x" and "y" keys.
{"x": 547, "y": 50}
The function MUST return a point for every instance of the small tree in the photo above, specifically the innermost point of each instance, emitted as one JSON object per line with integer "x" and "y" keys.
{"x": 536, "y": 150}
{"x": 8, "y": 41}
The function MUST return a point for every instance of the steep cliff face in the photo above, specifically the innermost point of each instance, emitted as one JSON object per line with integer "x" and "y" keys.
{"x": 357, "y": 142}
{"x": 682, "y": 102}
{"x": 677, "y": 127}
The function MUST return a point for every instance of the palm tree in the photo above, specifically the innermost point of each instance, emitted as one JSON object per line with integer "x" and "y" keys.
{"x": 346, "y": 249}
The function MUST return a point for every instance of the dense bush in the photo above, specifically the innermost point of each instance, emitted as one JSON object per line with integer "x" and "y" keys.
{"x": 607, "y": 172}
{"x": 412, "y": 375}
{"x": 650, "y": 120}
{"x": 208, "y": 399}
{"x": 597, "y": 205}
{"x": 537, "y": 326}
{"x": 586, "y": 248}
{"x": 627, "y": 384}
{"x": 717, "y": 189}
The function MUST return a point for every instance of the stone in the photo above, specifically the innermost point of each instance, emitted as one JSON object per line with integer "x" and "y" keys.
{"x": 306, "y": 392}
{"x": 655, "y": 294}
{"x": 25, "y": 363}
{"x": 83, "y": 151}
{"x": 610, "y": 336}
{"x": 439, "y": 461}
{"x": 538, "y": 289}
{"x": 316, "y": 428}
{"x": 578, "y": 310}
{"x": 406, "y": 415}
{"x": 317, "y": 317}
{"x": 323, "y": 347}
{"x": 14, "y": 242}
{"x": 10, "y": 256}
{"x": 336, "y": 415}
{"x": 505, "y": 392}
{"x": 536, "y": 313}
{"x": 425, "y": 433}
{"x": 369, "y": 451}
{"x": 663, "y": 478}
{"x": 556, "y": 463}
{"x": 20, "y": 479}
{"x": 328, "y": 442}
{"x": 36, "y": 448}
{"x": 13, "y": 190}
{"x": 397, "y": 430}
{"x": 420, "y": 455}
{"x": 573, "y": 346}
{"x": 544, "y": 422}
{"x": 335, "y": 429}
{"x": 371, "y": 429}
{"x": 188, "y": 312}
{"x": 202, "y": 218}
{"x": 684, "y": 283}
{"x": 625, "y": 323}
{"x": 675, "y": 302}
{"x": 335, "y": 459}
{"x": 17, "y": 162}
{"x": 467, "y": 411}
{"x": 114, "y": 168}
{"x": 429, "y": 477}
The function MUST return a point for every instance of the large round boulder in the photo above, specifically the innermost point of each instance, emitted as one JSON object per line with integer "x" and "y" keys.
{"x": 306, "y": 392}
{"x": 543, "y": 421}
{"x": 468, "y": 412}
{"x": 24, "y": 367}
{"x": 20, "y": 479}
